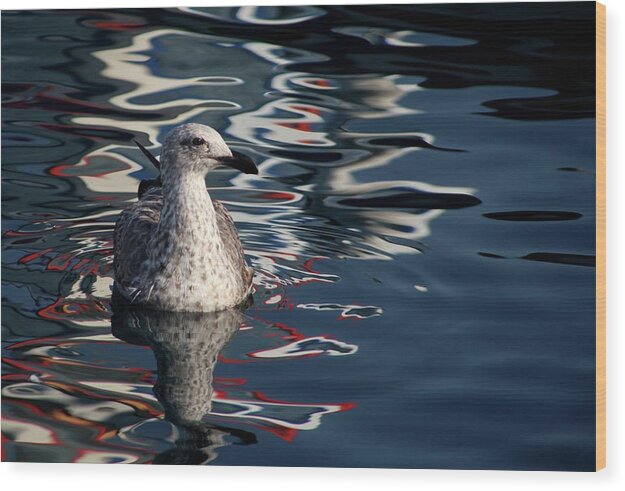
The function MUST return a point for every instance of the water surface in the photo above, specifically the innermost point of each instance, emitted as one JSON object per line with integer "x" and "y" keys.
{"x": 422, "y": 231}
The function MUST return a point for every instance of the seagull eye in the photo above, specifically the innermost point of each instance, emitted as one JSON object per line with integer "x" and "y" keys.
{"x": 198, "y": 141}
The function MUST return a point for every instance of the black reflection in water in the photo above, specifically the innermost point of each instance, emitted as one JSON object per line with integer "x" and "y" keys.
{"x": 534, "y": 216}
{"x": 414, "y": 199}
{"x": 186, "y": 346}
{"x": 561, "y": 258}
{"x": 551, "y": 257}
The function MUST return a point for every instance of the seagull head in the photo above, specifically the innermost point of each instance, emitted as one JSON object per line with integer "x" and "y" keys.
{"x": 197, "y": 149}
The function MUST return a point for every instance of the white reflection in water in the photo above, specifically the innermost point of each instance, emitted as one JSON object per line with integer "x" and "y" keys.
{"x": 27, "y": 432}
{"x": 309, "y": 347}
{"x": 264, "y": 15}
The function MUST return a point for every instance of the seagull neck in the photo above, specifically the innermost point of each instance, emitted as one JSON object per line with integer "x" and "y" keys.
{"x": 186, "y": 203}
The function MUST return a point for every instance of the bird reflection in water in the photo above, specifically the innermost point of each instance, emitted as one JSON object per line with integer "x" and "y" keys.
{"x": 186, "y": 346}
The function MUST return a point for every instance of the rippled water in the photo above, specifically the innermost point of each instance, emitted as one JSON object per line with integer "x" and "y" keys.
{"x": 422, "y": 231}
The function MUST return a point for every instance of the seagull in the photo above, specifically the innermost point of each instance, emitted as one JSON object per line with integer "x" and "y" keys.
{"x": 176, "y": 249}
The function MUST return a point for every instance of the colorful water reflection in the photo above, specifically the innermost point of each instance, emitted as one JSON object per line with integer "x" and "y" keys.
{"x": 404, "y": 150}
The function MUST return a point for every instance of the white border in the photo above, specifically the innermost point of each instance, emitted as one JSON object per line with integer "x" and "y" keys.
{"x": 68, "y": 477}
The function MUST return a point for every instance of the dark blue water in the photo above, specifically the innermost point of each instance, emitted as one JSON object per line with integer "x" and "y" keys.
{"x": 422, "y": 231}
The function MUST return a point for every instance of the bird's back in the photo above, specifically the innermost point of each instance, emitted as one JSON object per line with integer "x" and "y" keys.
{"x": 133, "y": 230}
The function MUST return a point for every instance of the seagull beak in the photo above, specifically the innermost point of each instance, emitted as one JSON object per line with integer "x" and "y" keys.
{"x": 240, "y": 162}
{"x": 147, "y": 153}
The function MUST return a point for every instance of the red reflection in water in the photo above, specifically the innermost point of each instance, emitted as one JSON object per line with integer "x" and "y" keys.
{"x": 116, "y": 26}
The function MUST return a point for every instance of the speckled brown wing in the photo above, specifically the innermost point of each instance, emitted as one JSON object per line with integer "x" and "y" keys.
{"x": 232, "y": 243}
{"x": 133, "y": 229}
